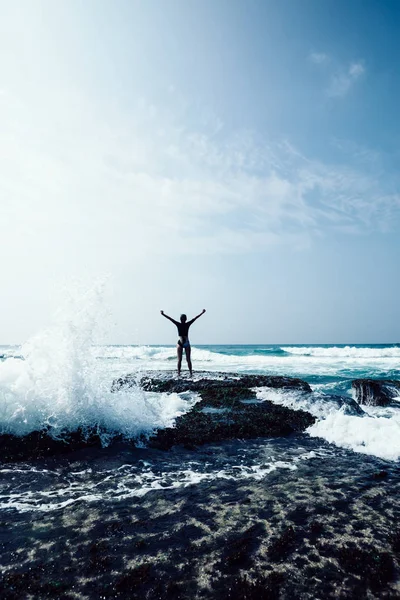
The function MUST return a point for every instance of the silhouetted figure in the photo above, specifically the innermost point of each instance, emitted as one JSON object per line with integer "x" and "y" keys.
{"x": 183, "y": 341}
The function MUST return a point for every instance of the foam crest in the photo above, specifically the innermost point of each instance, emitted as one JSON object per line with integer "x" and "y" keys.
{"x": 344, "y": 352}
{"x": 319, "y": 405}
{"x": 60, "y": 385}
{"x": 128, "y": 359}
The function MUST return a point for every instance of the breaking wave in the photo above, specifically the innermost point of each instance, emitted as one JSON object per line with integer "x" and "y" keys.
{"x": 59, "y": 386}
{"x": 369, "y": 430}
{"x": 60, "y": 380}
{"x": 344, "y": 352}
{"x": 304, "y": 362}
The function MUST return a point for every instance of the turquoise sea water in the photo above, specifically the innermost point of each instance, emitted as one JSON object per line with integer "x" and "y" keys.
{"x": 330, "y": 366}
{"x": 318, "y": 363}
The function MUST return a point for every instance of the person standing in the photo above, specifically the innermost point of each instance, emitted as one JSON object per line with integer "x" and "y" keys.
{"x": 183, "y": 340}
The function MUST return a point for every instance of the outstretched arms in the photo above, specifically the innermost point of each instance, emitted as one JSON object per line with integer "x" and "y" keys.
{"x": 169, "y": 318}
{"x": 193, "y": 320}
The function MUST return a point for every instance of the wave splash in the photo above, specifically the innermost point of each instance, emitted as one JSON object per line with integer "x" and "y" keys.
{"x": 58, "y": 385}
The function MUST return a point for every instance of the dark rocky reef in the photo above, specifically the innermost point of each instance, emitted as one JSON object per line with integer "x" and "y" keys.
{"x": 374, "y": 392}
{"x": 347, "y": 404}
{"x": 328, "y": 529}
{"x": 228, "y": 409}
{"x": 166, "y": 381}
{"x": 220, "y": 415}
{"x": 40, "y": 443}
{"x": 232, "y": 420}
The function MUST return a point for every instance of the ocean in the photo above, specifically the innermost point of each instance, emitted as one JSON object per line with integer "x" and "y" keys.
{"x": 62, "y": 382}
{"x": 130, "y": 515}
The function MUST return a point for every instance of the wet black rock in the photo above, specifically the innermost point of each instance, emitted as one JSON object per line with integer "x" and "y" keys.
{"x": 222, "y": 414}
{"x": 373, "y": 392}
{"x": 263, "y": 587}
{"x": 239, "y": 549}
{"x": 375, "y": 567}
{"x": 230, "y": 412}
{"x": 282, "y": 546}
{"x": 348, "y": 405}
{"x": 167, "y": 381}
{"x": 133, "y": 579}
{"x": 228, "y": 408}
{"x": 40, "y": 443}
{"x": 32, "y": 584}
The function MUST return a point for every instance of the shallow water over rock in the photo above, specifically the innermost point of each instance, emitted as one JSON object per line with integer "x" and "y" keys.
{"x": 293, "y": 516}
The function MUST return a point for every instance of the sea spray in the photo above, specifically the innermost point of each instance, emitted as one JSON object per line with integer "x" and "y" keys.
{"x": 59, "y": 385}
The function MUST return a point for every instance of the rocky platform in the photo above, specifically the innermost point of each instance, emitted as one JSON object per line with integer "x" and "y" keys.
{"x": 41, "y": 443}
{"x": 167, "y": 381}
{"x": 228, "y": 409}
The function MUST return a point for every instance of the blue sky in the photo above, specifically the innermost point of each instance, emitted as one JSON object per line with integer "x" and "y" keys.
{"x": 237, "y": 156}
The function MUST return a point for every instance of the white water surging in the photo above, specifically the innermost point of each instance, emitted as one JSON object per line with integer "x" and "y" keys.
{"x": 58, "y": 384}
{"x": 43, "y": 490}
{"x": 376, "y": 433}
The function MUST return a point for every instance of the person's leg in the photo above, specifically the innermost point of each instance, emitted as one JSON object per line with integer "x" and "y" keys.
{"x": 179, "y": 352}
{"x": 189, "y": 362}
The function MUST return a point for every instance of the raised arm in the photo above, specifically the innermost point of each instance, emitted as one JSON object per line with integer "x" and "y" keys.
{"x": 193, "y": 320}
{"x": 169, "y": 318}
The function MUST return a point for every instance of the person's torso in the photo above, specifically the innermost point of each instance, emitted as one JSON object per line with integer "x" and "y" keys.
{"x": 183, "y": 329}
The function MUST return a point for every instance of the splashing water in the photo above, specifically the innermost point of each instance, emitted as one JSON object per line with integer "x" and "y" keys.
{"x": 59, "y": 385}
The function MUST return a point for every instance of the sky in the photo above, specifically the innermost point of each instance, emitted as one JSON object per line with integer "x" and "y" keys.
{"x": 236, "y": 156}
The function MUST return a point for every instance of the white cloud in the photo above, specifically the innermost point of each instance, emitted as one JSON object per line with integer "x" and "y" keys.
{"x": 94, "y": 180}
{"x": 97, "y": 190}
{"x": 344, "y": 79}
{"x": 319, "y": 58}
{"x": 356, "y": 70}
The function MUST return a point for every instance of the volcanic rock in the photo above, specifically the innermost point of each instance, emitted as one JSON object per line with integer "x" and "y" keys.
{"x": 373, "y": 392}
{"x": 166, "y": 381}
{"x": 229, "y": 409}
{"x": 40, "y": 443}
{"x": 223, "y": 413}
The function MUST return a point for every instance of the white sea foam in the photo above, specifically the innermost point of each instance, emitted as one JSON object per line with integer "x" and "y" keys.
{"x": 318, "y": 404}
{"x": 130, "y": 481}
{"x": 343, "y": 352}
{"x": 135, "y": 485}
{"x": 59, "y": 384}
{"x": 377, "y": 432}
{"x": 378, "y": 436}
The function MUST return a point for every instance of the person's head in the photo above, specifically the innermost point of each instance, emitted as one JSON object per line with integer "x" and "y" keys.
{"x": 183, "y": 318}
